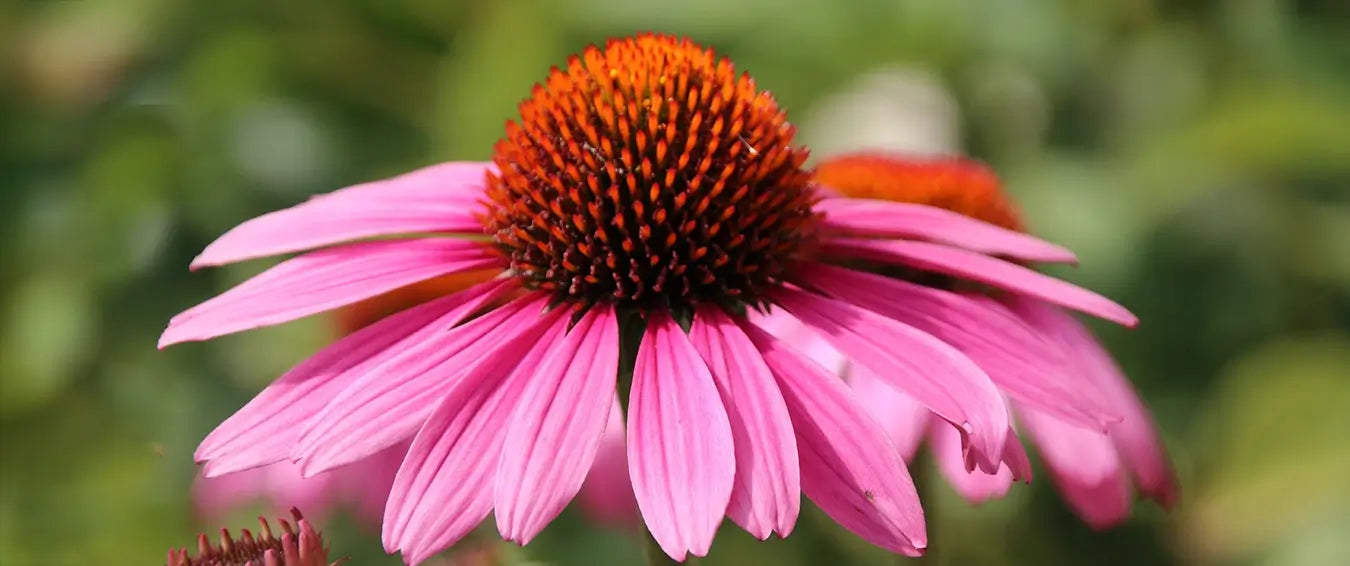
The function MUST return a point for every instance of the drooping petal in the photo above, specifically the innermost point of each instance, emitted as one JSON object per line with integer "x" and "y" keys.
{"x": 1015, "y": 357}
{"x": 265, "y": 429}
{"x": 984, "y": 269}
{"x": 1085, "y": 468}
{"x": 439, "y": 198}
{"x": 849, "y": 467}
{"x": 904, "y": 419}
{"x": 445, "y": 486}
{"x": 915, "y": 362}
{"x": 767, "y": 493}
{"x": 607, "y": 494}
{"x": 323, "y": 280}
{"x": 680, "y": 450}
{"x": 1015, "y": 458}
{"x": 558, "y": 426}
{"x": 867, "y": 217}
{"x": 1135, "y": 436}
{"x": 975, "y": 486}
{"x": 390, "y": 400}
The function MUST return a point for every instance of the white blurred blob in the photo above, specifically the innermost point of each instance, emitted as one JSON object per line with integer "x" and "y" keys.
{"x": 281, "y": 146}
{"x": 897, "y": 109}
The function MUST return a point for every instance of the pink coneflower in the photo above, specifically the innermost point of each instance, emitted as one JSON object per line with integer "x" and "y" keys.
{"x": 645, "y": 201}
{"x": 1095, "y": 435}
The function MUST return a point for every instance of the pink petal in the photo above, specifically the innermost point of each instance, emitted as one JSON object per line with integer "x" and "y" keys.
{"x": 445, "y": 486}
{"x": 680, "y": 449}
{"x": 366, "y": 483}
{"x": 439, "y": 198}
{"x": 975, "y": 486}
{"x": 1016, "y": 358}
{"x": 323, "y": 280}
{"x": 869, "y": 217}
{"x": 849, "y": 468}
{"x": 1015, "y": 458}
{"x": 984, "y": 269}
{"x": 767, "y": 492}
{"x": 265, "y": 430}
{"x": 607, "y": 494}
{"x": 915, "y": 362}
{"x": 904, "y": 419}
{"x": 215, "y": 497}
{"x": 1085, "y": 467}
{"x": 558, "y": 426}
{"x": 287, "y": 489}
{"x": 782, "y": 325}
{"x": 1136, "y": 436}
{"x": 390, "y": 401}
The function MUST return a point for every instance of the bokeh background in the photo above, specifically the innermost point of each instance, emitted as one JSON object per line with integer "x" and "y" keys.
{"x": 1196, "y": 154}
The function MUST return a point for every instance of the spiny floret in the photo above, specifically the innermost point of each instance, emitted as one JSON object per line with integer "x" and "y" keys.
{"x": 298, "y": 546}
{"x": 648, "y": 173}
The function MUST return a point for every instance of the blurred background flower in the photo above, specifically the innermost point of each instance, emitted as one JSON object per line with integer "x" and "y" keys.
{"x": 1193, "y": 152}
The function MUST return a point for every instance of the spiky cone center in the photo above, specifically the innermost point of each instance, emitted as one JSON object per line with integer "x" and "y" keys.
{"x": 298, "y": 545}
{"x": 649, "y": 174}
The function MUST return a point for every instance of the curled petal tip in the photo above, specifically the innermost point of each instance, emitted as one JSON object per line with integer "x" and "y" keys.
{"x": 167, "y": 339}
{"x": 1060, "y": 255}
{"x": 916, "y": 549}
{"x": 209, "y": 471}
{"x": 1165, "y": 496}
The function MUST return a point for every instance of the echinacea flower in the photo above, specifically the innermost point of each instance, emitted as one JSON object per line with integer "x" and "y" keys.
{"x": 1094, "y": 434}
{"x": 646, "y": 200}
{"x": 298, "y": 546}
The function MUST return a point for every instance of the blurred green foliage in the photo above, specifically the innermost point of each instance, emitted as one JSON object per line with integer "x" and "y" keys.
{"x": 1195, "y": 153}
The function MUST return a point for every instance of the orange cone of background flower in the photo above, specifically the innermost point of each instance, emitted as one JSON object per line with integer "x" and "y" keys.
{"x": 1057, "y": 375}
{"x": 647, "y": 199}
